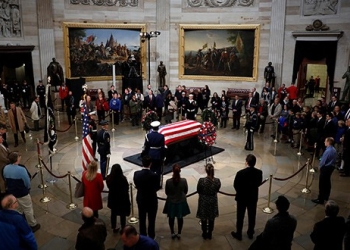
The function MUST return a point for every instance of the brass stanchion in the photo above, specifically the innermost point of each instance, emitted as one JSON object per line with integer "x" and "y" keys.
{"x": 133, "y": 219}
{"x": 58, "y": 116}
{"x": 301, "y": 140}
{"x": 107, "y": 165}
{"x": 45, "y": 198}
{"x": 39, "y": 163}
{"x": 312, "y": 169}
{"x": 276, "y": 140}
{"x": 76, "y": 129}
{"x": 306, "y": 189}
{"x": 72, "y": 205}
{"x": 112, "y": 113}
{"x": 268, "y": 209}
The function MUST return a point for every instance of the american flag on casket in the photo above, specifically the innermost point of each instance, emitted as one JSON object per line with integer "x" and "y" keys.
{"x": 179, "y": 131}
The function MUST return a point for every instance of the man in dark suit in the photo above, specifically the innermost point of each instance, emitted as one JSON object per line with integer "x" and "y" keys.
{"x": 246, "y": 184}
{"x": 319, "y": 134}
{"x": 159, "y": 105}
{"x": 147, "y": 185}
{"x": 237, "y": 112}
{"x": 154, "y": 147}
{"x": 333, "y": 102}
{"x": 329, "y": 232}
{"x": 256, "y": 96}
{"x": 150, "y": 101}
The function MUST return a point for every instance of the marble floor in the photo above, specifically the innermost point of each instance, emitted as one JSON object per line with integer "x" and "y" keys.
{"x": 59, "y": 224}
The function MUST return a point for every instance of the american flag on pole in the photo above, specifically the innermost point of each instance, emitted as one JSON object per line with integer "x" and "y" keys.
{"x": 86, "y": 142}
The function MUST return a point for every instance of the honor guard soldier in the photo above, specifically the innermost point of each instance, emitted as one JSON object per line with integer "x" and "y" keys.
{"x": 93, "y": 132}
{"x": 191, "y": 108}
{"x": 104, "y": 146}
{"x": 155, "y": 147}
{"x": 251, "y": 125}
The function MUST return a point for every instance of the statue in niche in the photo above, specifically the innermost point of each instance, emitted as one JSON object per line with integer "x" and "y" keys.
{"x": 162, "y": 73}
{"x": 346, "y": 92}
{"x": 10, "y": 19}
{"x": 269, "y": 74}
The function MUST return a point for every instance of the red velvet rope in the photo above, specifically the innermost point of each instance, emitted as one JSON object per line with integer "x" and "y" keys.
{"x": 58, "y": 177}
{"x": 297, "y": 172}
{"x": 65, "y": 130}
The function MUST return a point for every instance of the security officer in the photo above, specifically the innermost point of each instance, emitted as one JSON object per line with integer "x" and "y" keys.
{"x": 40, "y": 91}
{"x": 155, "y": 148}
{"x": 104, "y": 146}
{"x": 251, "y": 125}
{"x": 93, "y": 131}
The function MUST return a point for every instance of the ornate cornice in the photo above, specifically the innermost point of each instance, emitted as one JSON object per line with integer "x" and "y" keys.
{"x": 120, "y": 3}
{"x": 218, "y": 3}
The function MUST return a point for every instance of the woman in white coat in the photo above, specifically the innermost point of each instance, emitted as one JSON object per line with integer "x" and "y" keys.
{"x": 35, "y": 109}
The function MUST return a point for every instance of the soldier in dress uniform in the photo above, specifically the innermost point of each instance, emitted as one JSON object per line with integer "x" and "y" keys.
{"x": 93, "y": 132}
{"x": 251, "y": 125}
{"x": 191, "y": 108}
{"x": 104, "y": 146}
{"x": 25, "y": 94}
{"x": 40, "y": 91}
{"x": 155, "y": 147}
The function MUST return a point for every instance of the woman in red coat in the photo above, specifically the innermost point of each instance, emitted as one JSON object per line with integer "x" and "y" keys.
{"x": 101, "y": 106}
{"x": 93, "y": 186}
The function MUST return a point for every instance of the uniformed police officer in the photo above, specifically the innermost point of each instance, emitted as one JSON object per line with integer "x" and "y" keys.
{"x": 104, "y": 146}
{"x": 93, "y": 131}
{"x": 251, "y": 125}
{"x": 155, "y": 148}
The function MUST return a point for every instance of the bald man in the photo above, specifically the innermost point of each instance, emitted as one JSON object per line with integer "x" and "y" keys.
{"x": 92, "y": 234}
{"x": 15, "y": 232}
{"x": 132, "y": 240}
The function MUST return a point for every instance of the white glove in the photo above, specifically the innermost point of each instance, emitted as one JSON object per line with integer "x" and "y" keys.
{"x": 108, "y": 156}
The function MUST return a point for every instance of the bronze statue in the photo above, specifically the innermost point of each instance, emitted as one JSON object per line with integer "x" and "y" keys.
{"x": 162, "y": 73}
{"x": 269, "y": 74}
{"x": 55, "y": 71}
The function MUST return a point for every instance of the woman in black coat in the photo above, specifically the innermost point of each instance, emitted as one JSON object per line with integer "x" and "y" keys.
{"x": 118, "y": 197}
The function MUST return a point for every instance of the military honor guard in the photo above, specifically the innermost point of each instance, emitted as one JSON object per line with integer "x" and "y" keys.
{"x": 155, "y": 148}
{"x": 104, "y": 146}
{"x": 191, "y": 108}
{"x": 93, "y": 132}
{"x": 251, "y": 125}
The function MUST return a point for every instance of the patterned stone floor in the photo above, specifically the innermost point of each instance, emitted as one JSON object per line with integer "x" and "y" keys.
{"x": 60, "y": 225}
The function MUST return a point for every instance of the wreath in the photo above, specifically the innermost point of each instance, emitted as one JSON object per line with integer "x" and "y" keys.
{"x": 148, "y": 118}
{"x": 208, "y": 115}
{"x": 207, "y": 134}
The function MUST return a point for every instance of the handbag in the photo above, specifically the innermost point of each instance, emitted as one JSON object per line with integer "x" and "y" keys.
{"x": 26, "y": 128}
{"x": 79, "y": 190}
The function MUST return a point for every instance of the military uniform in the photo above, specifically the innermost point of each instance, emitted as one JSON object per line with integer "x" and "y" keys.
{"x": 155, "y": 148}
{"x": 104, "y": 148}
{"x": 191, "y": 109}
{"x": 40, "y": 91}
{"x": 251, "y": 125}
{"x": 93, "y": 134}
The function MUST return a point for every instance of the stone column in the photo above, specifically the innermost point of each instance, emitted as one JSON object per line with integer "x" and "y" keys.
{"x": 278, "y": 18}
{"x": 46, "y": 35}
{"x": 163, "y": 40}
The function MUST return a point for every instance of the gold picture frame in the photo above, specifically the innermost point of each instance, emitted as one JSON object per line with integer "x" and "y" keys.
{"x": 90, "y": 49}
{"x": 219, "y": 52}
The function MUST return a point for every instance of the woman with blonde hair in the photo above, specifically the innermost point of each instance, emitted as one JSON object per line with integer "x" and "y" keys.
{"x": 93, "y": 186}
{"x": 176, "y": 205}
{"x": 207, "y": 189}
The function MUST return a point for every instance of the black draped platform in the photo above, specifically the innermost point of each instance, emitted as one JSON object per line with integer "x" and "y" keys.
{"x": 183, "y": 153}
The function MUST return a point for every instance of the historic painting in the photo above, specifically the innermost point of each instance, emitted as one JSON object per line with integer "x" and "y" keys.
{"x": 91, "y": 50}
{"x": 319, "y": 7}
{"x": 219, "y": 52}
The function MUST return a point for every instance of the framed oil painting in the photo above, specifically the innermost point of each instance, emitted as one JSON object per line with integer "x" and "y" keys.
{"x": 91, "y": 50}
{"x": 219, "y": 52}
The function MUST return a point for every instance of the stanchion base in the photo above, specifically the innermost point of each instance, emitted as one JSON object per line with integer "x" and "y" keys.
{"x": 267, "y": 210}
{"x": 306, "y": 191}
{"x": 72, "y": 206}
{"x": 76, "y": 138}
{"x": 133, "y": 220}
{"x": 299, "y": 153}
{"x": 312, "y": 170}
{"x": 51, "y": 181}
{"x": 45, "y": 199}
{"x": 41, "y": 186}
{"x": 275, "y": 141}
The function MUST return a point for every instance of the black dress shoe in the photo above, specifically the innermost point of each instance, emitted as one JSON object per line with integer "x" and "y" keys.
{"x": 250, "y": 236}
{"x": 236, "y": 235}
{"x": 204, "y": 235}
{"x": 317, "y": 201}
